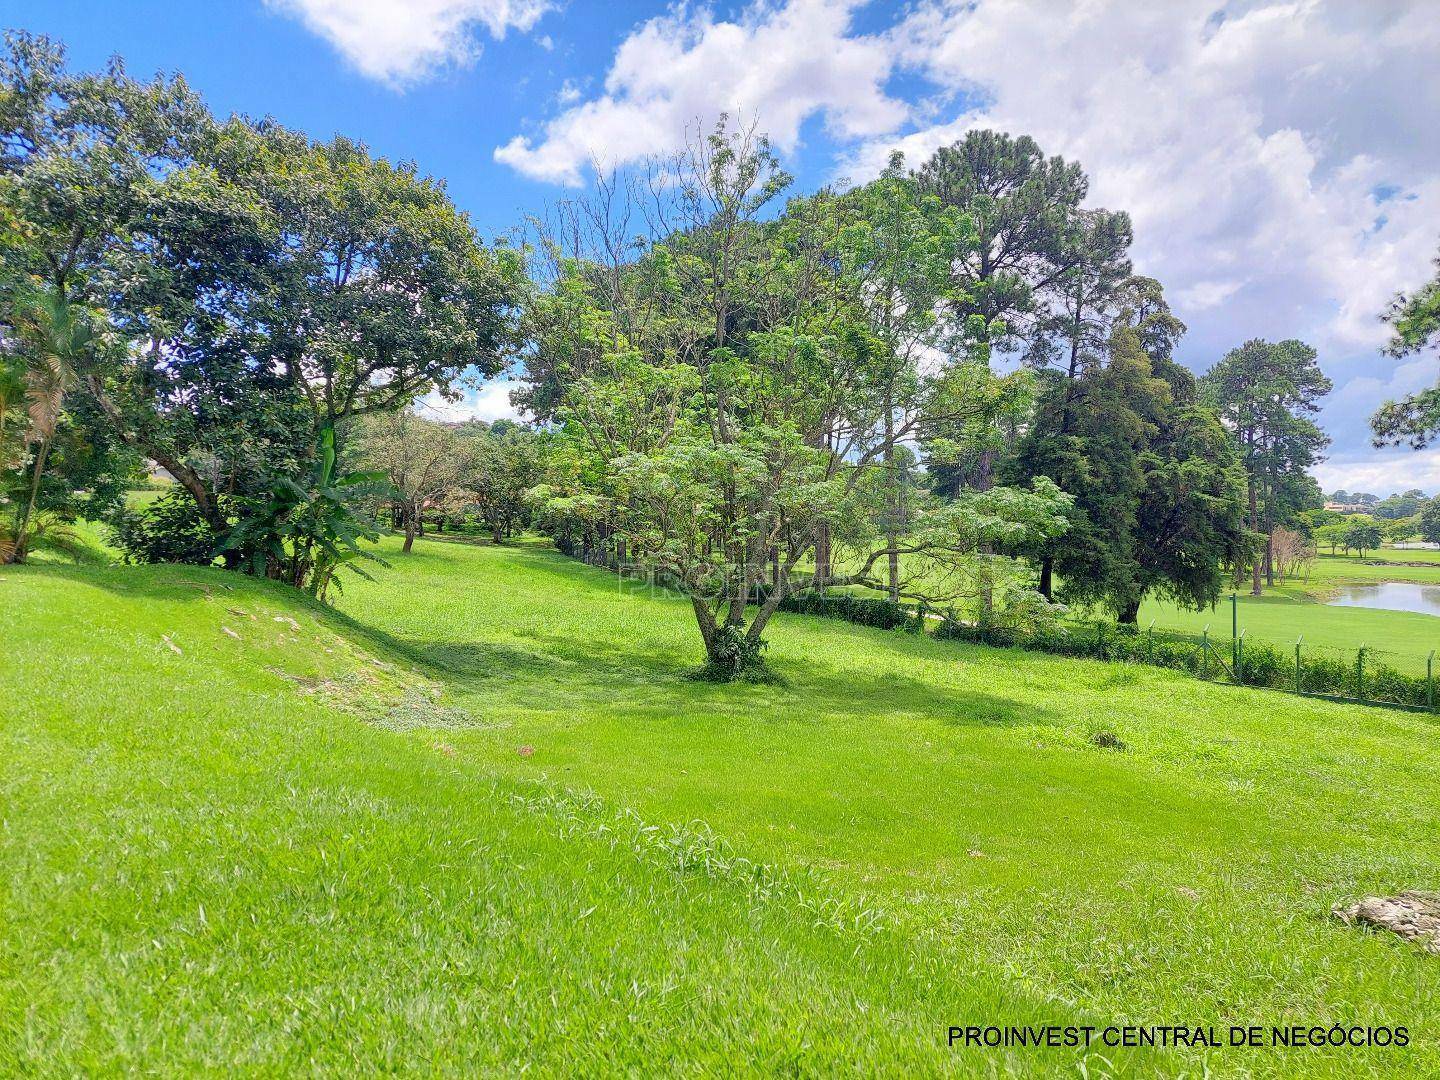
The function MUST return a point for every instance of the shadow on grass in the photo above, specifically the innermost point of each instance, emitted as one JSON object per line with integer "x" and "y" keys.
{"x": 565, "y": 667}
{"x": 811, "y": 692}
{"x": 164, "y": 582}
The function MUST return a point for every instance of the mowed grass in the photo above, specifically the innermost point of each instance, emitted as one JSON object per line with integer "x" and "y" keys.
{"x": 371, "y": 860}
{"x": 1297, "y": 607}
{"x": 1191, "y": 875}
{"x": 1401, "y": 639}
{"x": 227, "y": 847}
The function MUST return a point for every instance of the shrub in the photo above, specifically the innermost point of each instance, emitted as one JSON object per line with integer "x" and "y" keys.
{"x": 733, "y": 656}
{"x": 170, "y": 530}
{"x": 1261, "y": 663}
{"x": 864, "y": 610}
{"x": 1107, "y": 740}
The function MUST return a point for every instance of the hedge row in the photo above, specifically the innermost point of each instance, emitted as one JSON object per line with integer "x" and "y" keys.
{"x": 865, "y": 610}
{"x": 1261, "y": 664}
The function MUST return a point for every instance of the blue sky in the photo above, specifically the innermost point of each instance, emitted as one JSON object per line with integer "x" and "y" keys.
{"x": 1279, "y": 157}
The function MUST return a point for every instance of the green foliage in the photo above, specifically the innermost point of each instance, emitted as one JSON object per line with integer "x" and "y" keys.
{"x": 262, "y": 286}
{"x": 1266, "y": 395}
{"x": 57, "y": 458}
{"x": 305, "y": 531}
{"x": 861, "y": 610}
{"x": 732, "y": 393}
{"x": 1429, "y": 525}
{"x": 423, "y": 461}
{"x": 1156, "y": 486}
{"x": 502, "y": 465}
{"x": 1401, "y": 505}
{"x": 1022, "y": 205}
{"x": 1415, "y": 320}
{"x": 1363, "y": 536}
{"x": 170, "y": 529}
{"x": 732, "y": 654}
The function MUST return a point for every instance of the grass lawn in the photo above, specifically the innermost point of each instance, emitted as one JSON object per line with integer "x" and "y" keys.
{"x": 1387, "y": 565}
{"x": 360, "y": 841}
{"x": 1401, "y": 639}
{"x": 1297, "y": 607}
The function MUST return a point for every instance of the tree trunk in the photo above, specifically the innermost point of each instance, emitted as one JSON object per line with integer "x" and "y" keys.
{"x": 495, "y": 533}
{"x": 705, "y": 620}
{"x": 985, "y": 471}
{"x": 409, "y": 530}
{"x": 187, "y": 477}
{"x": 21, "y": 543}
{"x": 1130, "y": 614}
{"x": 1047, "y": 577}
{"x": 892, "y": 482}
{"x": 822, "y": 555}
{"x": 1254, "y": 528}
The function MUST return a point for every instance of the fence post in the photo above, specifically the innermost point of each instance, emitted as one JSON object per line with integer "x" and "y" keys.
{"x": 1150, "y": 642}
{"x": 1205, "y": 651}
{"x": 1430, "y": 681}
{"x": 1235, "y": 630}
{"x": 1298, "y": 641}
{"x": 1240, "y": 660}
{"x": 1360, "y": 673}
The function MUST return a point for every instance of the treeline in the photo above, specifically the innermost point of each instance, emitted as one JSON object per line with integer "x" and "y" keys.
{"x": 948, "y": 384}
{"x": 226, "y": 298}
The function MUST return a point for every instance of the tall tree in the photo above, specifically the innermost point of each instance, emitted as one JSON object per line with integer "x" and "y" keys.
{"x": 1266, "y": 394}
{"x": 895, "y": 248}
{"x": 1430, "y": 521}
{"x": 1415, "y": 322}
{"x": 281, "y": 287}
{"x": 1156, "y": 487}
{"x": 424, "y": 461}
{"x": 266, "y": 287}
{"x": 1026, "y": 211}
{"x": 1190, "y": 525}
{"x": 721, "y": 396}
{"x": 501, "y": 466}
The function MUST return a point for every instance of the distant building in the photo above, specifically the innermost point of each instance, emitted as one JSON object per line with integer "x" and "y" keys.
{"x": 156, "y": 471}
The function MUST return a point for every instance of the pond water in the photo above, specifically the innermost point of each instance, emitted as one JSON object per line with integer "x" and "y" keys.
{"x": 1392, "y": 596}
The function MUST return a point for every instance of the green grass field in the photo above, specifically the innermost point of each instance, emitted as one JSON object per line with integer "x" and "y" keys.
{"x": 1297, "y": 607}
{"x": 482, "y": 819}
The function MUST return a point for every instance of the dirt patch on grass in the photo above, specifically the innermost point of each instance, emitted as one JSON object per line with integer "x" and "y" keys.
{"x": 386, "y": 697}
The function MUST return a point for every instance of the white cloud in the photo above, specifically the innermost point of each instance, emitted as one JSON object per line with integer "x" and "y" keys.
{"x": 490, "y": 403}
{"x": 1207, "y": 294}
{"x": 1279, "y": 157}
{"x": 780, "y": 63}
{"x": 400, "y": 41}
{"x": 1247, "y": 143}
{"x": 1383, "y": 474}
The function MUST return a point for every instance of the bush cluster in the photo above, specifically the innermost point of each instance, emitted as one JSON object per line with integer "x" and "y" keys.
{"x": 865, "y": 610}
{"x": 1261, "y": 664}
{"x": 170, "y": 530}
